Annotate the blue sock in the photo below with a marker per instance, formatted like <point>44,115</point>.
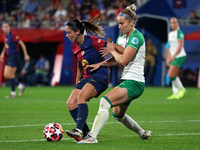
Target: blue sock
<point>82,116</point>
<point>74,114</point>
<point>16,82</point>
<point>12,84</point>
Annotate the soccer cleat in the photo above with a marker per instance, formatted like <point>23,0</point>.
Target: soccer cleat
<point>10,96</point>
<point>74,134</point>
<point>88,140</point>
<point>21,90</point>
<point>145,135</point>
<point>173,96</point>
<point>84,135</point>
<point>181,93</point>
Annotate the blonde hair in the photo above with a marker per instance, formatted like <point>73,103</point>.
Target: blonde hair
<point>130,13</point>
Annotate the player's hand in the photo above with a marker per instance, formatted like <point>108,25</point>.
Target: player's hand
<point>26,58</point>
<point>2,58</point>
<point>93,67</point>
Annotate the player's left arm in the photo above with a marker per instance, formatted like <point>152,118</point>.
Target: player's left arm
<point>23,46</point>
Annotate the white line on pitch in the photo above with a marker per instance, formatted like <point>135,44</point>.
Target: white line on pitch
<point>30,125</point>
<point>38,140</point>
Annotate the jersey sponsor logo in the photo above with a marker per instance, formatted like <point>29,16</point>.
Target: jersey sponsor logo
<point>85,63</point>
<point>135,40</point>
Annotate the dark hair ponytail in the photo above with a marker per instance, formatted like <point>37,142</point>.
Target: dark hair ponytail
<point>89,26</point>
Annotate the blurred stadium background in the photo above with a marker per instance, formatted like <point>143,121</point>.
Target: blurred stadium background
<point>41,25</point>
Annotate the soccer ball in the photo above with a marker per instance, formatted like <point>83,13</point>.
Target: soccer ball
<point>53,132</point>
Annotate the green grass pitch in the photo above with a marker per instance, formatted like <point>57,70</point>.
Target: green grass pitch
<point>175,124</point>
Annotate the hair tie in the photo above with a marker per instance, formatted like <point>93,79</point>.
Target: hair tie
<point>122,14</point>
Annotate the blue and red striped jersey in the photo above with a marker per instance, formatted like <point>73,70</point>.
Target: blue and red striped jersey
<point>88,53</point>
<point>11,43</point>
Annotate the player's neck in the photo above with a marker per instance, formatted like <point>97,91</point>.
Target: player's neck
<point>81,39</point>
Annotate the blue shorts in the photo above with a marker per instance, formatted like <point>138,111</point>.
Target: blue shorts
<point>13,60</point>
<point>100,83</point>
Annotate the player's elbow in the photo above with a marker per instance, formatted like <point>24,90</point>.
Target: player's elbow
<point>124,62</point>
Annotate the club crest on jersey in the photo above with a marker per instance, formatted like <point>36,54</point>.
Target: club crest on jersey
<point>82,53</point>
<point>99,40</point>
<point>135,40</point>
<point>6,45</point>
<point>85,63</point>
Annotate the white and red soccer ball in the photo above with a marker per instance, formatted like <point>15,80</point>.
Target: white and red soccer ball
<point>53,132</point>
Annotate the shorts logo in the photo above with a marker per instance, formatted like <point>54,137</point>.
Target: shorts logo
<point>93,80</point>
<point>135,40</point>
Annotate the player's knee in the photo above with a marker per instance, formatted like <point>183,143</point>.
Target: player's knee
<point>104,104</point>
<point>71,104</point>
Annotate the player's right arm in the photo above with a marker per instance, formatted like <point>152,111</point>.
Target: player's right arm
<point>3,53</point>
<point>116,47</point>
<point>79,72</point>
<point>105,63</point>
<point>168,58</point>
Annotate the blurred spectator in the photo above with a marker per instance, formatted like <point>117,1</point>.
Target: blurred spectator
<point>110,11</point>
<point>46,20</point>
<point>119,7</point>
<point>51,10</point>
<point>2,18</point>
<point>45,3</point>
<point>189,77</point>
<point>73,11</point>
<point>40,76</point>
<point>108,3</point>
<point>85,8</point>
<point>60,14</point>
<point>150,60</point>
<point>40,12</point>
<point>27,70</point>
<point>34,22</point>
<point>104,20</point>
<point>23,22</point>
<point>56,2</point>
<point>94,12</point>
<point>31,6</point>
<point>194,19</point>
<point>112,21</point>
<point>13,21</point>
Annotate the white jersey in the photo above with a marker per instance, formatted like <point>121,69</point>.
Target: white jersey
<point>173,38</point>
<point>134,70</point>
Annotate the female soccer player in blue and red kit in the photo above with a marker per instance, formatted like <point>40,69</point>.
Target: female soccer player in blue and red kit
<point>11,48</point>
<point>89,84</point>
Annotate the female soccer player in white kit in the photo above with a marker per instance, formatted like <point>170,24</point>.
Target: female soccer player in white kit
<point>133,81</point>
<point>175,58</point>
